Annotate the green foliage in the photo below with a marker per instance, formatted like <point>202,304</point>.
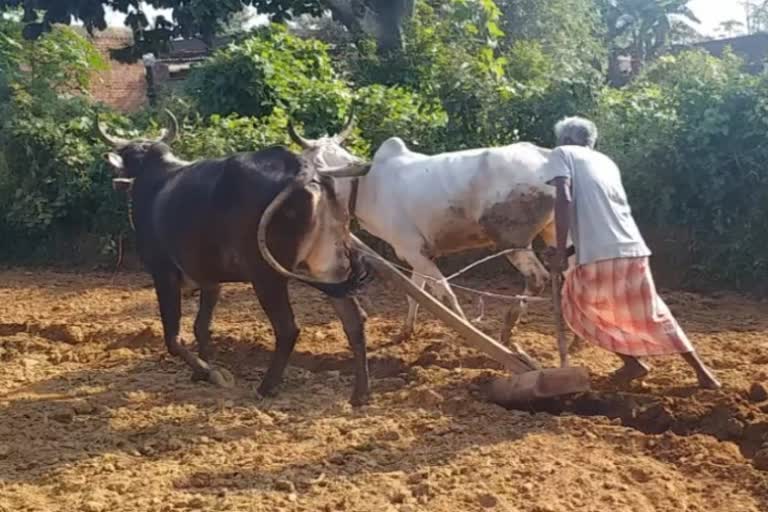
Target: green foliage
<point>570,30</point>
<point>384,112</point>
<point>493,89</point>
<point>688,135</point>
<point>54,172</point>
<point>206,18</point>
<point>51,176</point>
<point>60,62</point>
<point>268,70</point>
<point>642,28</point>
<point>220,136</point>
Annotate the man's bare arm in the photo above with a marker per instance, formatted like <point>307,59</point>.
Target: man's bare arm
<point>562,217</point>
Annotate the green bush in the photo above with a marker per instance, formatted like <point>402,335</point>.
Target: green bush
<point>220,136</point>
<point>272,69</point>
<point>384,112</point>
<point>51,174</point>
<point>688,135</point>
<point>491,94</point>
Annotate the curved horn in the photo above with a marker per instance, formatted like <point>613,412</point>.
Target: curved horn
<point>168,135</point>
<point>113,141</point>
<point>298,139</point>
<point>347,130</point>
<point>261,235</point>
<point>355,170</point>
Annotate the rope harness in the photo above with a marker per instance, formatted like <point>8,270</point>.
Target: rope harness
<point>353,197</point>
<point>497,296</point>
<point>130,211</point>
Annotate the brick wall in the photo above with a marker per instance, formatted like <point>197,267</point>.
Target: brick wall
<point>121,86</point>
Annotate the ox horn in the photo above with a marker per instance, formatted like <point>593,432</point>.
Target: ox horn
<point>261,235</point>
<point>346,131</point>
<point>116,142</point>
<point>298,139</point>
<point>355,170</point>
<point>168,135</point>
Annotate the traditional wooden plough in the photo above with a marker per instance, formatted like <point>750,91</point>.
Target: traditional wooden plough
<point>529,381</point>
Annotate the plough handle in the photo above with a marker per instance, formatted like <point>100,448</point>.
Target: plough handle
<point>562,343</point>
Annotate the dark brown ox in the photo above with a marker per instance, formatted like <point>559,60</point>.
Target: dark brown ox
<point>243,218</point>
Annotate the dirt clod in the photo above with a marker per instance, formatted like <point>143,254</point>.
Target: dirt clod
<point>487,500</point>
<point>93,506</point>
<point>285,486</point>
<point>83,407</point>
<point>757,392</point>
<point>426,397</point>
<point>65,415</point>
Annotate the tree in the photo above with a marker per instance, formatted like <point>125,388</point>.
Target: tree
<point>642,29</point>
<point>757,15</point>
<point>730,28</point>
<point>682,33</point>
<point>381,19</point>
<point>238,22</point>
<point>575,41</point>
<point>50,174</point>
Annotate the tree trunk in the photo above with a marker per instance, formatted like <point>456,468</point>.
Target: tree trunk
<point>381,19</point>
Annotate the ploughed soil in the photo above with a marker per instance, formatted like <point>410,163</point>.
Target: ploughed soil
<point>94,416</point>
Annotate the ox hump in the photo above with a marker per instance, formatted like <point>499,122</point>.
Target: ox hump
<point>391,148</point>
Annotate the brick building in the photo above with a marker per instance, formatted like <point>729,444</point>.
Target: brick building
<point>122,86</point>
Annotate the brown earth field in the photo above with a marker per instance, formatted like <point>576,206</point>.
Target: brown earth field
<point>94,416</point>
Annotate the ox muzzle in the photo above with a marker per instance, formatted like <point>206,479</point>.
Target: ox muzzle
<point>359,276</point>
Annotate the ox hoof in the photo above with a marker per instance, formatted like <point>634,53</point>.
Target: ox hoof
<point>207,355</point>
<point>360,399</point>
<point>267,390</point>
<point>403,336</point>
<point>221,377</point>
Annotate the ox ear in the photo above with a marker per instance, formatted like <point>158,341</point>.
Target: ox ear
<point>114,160</point>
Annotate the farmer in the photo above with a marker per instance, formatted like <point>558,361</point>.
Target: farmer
<point>609,297</point>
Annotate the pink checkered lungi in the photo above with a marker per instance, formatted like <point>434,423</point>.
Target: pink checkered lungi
<point>614,304</point>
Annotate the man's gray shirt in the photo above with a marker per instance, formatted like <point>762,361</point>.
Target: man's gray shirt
<point>602,226</point>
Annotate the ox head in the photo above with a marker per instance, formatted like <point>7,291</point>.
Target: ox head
<point>325,249</point>
<point>329,155</point>
<point>129,158</point>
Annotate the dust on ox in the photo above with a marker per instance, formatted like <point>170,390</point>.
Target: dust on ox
<point>244,218</point>
<point>429,206</point>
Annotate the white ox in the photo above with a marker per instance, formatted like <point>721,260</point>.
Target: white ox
<point>430,206</point>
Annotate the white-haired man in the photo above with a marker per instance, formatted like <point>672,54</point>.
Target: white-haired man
<point>609,297</point>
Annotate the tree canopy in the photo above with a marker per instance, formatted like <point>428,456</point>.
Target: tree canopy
<point>382,19</point>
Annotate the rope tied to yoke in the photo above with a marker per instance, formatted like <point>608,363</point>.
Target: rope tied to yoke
<point>481,293</point>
